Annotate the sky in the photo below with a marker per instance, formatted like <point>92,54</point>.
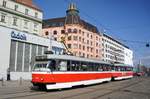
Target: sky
<point>125,20</point>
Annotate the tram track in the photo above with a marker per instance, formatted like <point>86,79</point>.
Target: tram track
<point>23,94</point>
<point>122,87</point>
<point>105,94</point>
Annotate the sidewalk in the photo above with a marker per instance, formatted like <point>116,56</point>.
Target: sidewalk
<point>17,83</point>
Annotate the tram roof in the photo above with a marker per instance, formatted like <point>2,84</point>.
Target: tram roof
<point>73,58</point>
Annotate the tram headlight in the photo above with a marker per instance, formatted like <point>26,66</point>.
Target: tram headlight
<point>42,79</point>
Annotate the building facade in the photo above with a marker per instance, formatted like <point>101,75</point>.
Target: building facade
<point>20,24</point>
<point>82,38</point>
<point>18,51</point>
<point>115,51</point>
<point>21,15</point>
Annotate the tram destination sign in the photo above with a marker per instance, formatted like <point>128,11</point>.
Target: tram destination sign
<point>18,35</point>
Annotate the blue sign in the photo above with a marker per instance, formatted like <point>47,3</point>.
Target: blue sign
<point>18,36</point>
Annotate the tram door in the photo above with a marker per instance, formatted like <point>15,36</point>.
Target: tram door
<point>52,67</point>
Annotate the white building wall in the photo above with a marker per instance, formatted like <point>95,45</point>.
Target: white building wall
<point>128,56</point>
<point>5,43</point>
<point>27,24</point>
<point>34,24</point>
<point>4,52</point>
<point>112,51</point>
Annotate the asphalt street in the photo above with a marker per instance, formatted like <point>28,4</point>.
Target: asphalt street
<point>135,88</point>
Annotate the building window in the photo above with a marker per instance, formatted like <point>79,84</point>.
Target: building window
<point>87,34</point>
<point>91,36</point>
<point>46,33</point>
<point>83,55</point>
<point>75,31</point>
<point>16,7</point>
<point>79,46</point>
<point>80,31</point>
<point>87,55</point>
<point>83,40</point>
<point>96,38</point>
<point>15,21</point>
<point>75,46</point>
<point>87,41</point>
<point>26,11</point>
<point>62,31</point>
<point>69,30</point>
<point>80,39</point>
<point>4,3</point>
<point>96,50</point>
<point>91,43</point>
<point>55,38</point>
<point>75,38</point>
<point>25,24</point>
<point>3,18</point>
<point>55,32</point>
<point>96,44</point>
<point>69,45</point>
<point>69,38</point>
<point>83,33</point>
<point>35,25</point>
<point>79,53</point>
<point>83,47</point>
<point>36,15</point>
<point>91,49</point>
<point>88,49</point>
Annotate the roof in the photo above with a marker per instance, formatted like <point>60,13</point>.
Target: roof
<point>115,40</point>
<point>73,58</point>
<point>54,22</point>
<point>58,22</point>
<point>31,5</point>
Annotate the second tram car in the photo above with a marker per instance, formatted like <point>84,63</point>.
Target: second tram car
<point>64,71</point>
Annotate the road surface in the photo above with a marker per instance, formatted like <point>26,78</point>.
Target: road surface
<point>135,88</point>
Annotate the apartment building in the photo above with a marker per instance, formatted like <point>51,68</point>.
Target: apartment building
<point>82,38</point>
<point>115,51</point>
<point>20,26</point>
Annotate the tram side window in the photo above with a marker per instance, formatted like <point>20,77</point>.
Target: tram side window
<point>75,66</point>
<point>105,68</point>
<point>52,65</point>
<point>100,68</point>
<point>84,67</point>
<point>68,65</point>
<point>123,69</point>
<point>109,68</point>
<point>112,68</point>
<point>90,67</point>
<point>62,66</point>
<point>116,68</point>
<point>129,69</point>
<point>95,67</point>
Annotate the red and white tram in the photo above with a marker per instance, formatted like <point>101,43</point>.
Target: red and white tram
<point>64,71</point>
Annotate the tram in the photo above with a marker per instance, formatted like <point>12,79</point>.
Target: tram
<point>65,71</point>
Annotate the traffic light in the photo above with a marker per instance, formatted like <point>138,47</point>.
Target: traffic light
<point>147,45</point>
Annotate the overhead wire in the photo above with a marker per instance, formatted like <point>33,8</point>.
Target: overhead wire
<point>104,28</point>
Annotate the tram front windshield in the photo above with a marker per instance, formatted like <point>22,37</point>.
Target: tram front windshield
<point>43,66</point>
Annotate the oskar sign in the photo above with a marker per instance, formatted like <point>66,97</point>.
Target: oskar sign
<point>18,35</point>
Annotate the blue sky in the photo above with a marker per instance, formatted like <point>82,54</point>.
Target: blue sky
<point>123,19</point>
